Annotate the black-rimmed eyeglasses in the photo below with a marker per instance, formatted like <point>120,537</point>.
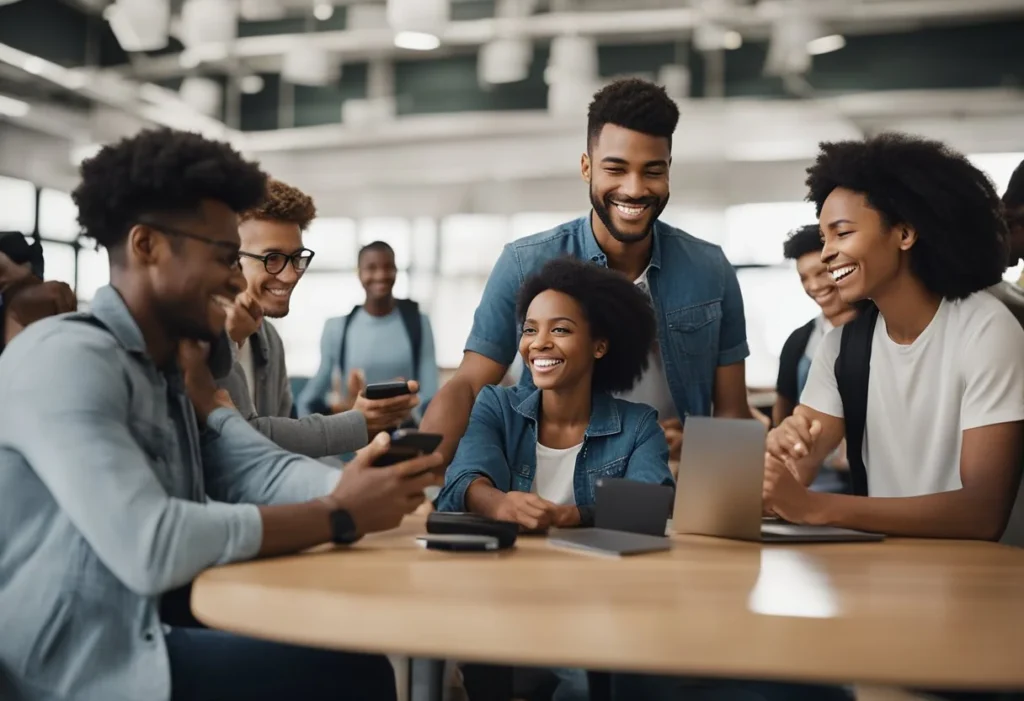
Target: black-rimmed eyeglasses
<point>276,262</point>
<point>230,250</point>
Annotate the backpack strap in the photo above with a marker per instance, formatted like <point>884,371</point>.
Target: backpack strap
<point>852,368</point>
<point>789,360</point>
<point>410,313</point>
<point>344,340</point>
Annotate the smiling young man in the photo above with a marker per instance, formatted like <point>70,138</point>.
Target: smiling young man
<point>697,364</point>
<point>123,475</point>
<point>273,262</point>
<point>916,229</point>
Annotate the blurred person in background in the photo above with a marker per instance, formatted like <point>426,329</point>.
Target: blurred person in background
<point>697,365</point>
<point>124,472</point>
<point>24,297</point>
<point>273,262</point>
<point>804,248</point>
<point>1010,294</point>
<point>382,340</point>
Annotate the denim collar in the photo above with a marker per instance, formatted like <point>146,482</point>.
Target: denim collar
<point>109,307</point>
<point>593,251</point>
<point>604,414</point>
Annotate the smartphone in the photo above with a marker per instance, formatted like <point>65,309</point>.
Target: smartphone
<point>458,543</point>
<point>407,444</point>
<point>386,390</point>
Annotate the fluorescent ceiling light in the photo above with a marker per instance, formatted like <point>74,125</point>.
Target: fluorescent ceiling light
<point>251,84</point>
<point>13,108</point>
<point>417,41</point>
<point>826,44</point>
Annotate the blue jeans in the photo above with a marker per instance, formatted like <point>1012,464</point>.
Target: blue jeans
<point>626,687</point>
<point>211,665</point>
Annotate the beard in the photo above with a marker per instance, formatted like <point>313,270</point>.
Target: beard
<point>603,209</point>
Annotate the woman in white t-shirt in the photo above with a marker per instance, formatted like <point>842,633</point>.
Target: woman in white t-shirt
<point>916,229</point>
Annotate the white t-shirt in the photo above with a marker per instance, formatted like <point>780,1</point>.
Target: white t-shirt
<point>652,389</point>
<point>555,471</point>
<point>965,370</point>
<point>245,360</point>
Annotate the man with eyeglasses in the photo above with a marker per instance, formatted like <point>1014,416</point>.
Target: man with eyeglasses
<point>273,260</point>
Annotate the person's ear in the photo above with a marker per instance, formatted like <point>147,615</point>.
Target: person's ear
<point>585,167</point>
<point>908,237</point>
<point>600,349</point>
<point>143,244</point>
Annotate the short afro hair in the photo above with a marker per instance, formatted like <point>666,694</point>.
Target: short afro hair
<point>961,245</point>
<point>378,246</point>
<point>1014,195</point>
<point>806,239</point>
<point>160,171</point>
<point>283,203</point>
<point>633,104</point>
<point>616,309</point>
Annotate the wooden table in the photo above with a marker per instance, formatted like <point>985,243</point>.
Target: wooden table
<point>938,614</point>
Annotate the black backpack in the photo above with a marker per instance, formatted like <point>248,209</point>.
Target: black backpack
<point>410,313</point>
<point>852,368</point>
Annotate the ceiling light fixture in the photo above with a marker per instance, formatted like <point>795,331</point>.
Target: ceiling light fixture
<point>826,44</point>
<point>323,11</point>
<point>732,40</point>
<point>251,84</point>
<point>13,108</point>
<point>417,41</point>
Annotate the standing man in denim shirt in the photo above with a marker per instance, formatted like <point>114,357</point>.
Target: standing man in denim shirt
<point>123,475</point>
<point>697,365</point>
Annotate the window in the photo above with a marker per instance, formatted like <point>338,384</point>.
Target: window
<point>57,216</point>
<point>317,298</point>
<point>703,222</point>
<point>334,242</point>
<point>452,320</point>
<point>471,243</point>
<point>998,166</point>
<point>93,272</point>
<point>18,212</point>
<point>424,244</point>
<point>394,231</point>
<point>775,305</point>
<point>59,262</point>
<point>755,233</point>
<point>529,223</point>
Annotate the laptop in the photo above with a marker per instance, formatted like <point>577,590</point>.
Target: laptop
<point>718,490</point>
<point>630,519</point>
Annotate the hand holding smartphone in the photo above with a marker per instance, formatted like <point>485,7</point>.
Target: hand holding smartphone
<point>407,444</point>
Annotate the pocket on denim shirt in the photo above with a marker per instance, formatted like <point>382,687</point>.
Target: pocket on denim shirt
<point>693,337</point>
<point>615,468</point>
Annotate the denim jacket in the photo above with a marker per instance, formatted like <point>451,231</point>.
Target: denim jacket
<point>622,440</point>
<point>107,500</point>
<point>696,297</point>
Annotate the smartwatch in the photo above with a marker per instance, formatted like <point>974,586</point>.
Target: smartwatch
<point>343,528</point>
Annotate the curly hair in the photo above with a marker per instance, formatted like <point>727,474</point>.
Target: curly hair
<point>160,171</point>
<point>634,104</point>
<point>961,245</point>
<point>806,239</point>
<point>616,310</point>
<point>283,203</point>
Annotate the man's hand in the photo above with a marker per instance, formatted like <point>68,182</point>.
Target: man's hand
<point>529,511</point>
<point>31,300</point>
<point>794,438</point>
<point>673,429</point>
<point>379,497</point>
<point>383,414</point>
<point>200,386</point>
<point>784,495</point>
<point>244,317</point>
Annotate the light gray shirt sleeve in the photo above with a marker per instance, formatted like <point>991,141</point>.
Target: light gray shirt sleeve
<point>67,414</point>
<point>241,465</point>
<point>315,436</point>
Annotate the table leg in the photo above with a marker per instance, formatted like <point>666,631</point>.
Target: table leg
<point>426,680</point>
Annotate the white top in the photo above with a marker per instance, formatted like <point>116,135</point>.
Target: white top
<point>555,471</point>
<point>652,389</point>
<point>964,371</point>
<point>245,360</point>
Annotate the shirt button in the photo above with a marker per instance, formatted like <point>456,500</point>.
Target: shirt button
<point>148,636</point>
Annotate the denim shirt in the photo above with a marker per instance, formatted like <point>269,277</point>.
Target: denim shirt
<point>697,303</point>
<point>622,440</point>
<point>104,477</point>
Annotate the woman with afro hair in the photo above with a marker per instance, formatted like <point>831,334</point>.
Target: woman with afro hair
<point>534,456</point>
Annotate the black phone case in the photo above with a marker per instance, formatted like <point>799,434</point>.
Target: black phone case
<point>440,522</point>
<point>406,445</point>
<point>386,390</point>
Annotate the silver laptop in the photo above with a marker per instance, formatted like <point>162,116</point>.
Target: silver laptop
<point>718,490</point>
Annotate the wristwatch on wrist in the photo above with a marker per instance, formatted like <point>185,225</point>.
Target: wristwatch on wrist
<point>343,527</point>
